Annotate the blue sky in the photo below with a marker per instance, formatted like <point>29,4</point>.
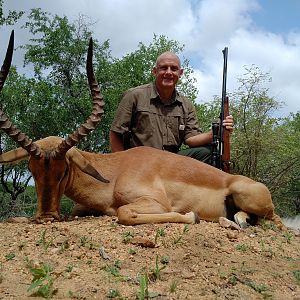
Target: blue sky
<point>279,16</point>
<point>265,33</point>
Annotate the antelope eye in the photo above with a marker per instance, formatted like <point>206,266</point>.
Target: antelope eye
<point>66,172</point>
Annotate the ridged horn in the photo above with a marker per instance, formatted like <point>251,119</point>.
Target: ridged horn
<point>7,61</point>
<point>20,138</point>
<point>95,117</point>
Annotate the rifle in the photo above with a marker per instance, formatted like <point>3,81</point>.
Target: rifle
<point>221,144</point>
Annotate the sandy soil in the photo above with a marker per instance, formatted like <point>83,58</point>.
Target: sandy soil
<point>97,258</point>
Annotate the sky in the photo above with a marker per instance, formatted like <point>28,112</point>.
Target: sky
<point>264,33</point>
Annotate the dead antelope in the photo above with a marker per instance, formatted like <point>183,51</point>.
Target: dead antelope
<point>140,185</point>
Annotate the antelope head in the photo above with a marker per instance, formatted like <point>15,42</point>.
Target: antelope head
<point>49,158</point>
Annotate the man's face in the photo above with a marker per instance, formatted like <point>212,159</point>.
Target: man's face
<point>167,71</point>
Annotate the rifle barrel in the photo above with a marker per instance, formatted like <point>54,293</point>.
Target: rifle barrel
<point>222,114</point>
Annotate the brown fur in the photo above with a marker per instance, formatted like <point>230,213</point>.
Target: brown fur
<point>146,185</point>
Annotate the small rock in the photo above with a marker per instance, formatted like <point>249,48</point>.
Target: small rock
<point>55,250</point>
<point>228,224</point>
<point>296,232</point>
<point>143,242</point>
<point>232,235</point>
<point>18,220</point>
<point>103,253</point>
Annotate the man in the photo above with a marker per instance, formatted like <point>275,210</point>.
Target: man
<point>156,115</point>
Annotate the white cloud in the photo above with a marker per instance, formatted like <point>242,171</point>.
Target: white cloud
<point>217,20</point>
<point>230,25</point>
<point>274,54</point>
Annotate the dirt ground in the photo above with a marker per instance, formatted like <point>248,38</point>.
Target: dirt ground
<point>97,258</point>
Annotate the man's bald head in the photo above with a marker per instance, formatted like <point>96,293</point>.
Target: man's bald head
<point>167,55</point>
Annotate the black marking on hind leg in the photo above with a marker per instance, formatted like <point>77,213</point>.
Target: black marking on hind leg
<point>230,208</point>
<point>85,212</point>
<point>46,193</point>
<point>252,220</point>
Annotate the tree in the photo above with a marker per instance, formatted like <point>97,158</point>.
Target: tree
<point>253,110</point>
<point>58,54</point>
<point>12,181</point>
<point>12,17</point>
<point>208,112</point>
<point>284,175</point>
<point>263,147</point>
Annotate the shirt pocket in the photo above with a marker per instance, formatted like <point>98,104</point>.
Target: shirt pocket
<point>143,121</point>
<point>176,125</point>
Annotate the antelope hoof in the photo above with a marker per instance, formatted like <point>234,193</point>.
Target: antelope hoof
<point>193,218</point>
<point>224,222</point>
<point>47,218</point>
<point>241,219</point>
<point>44,220</point>
<point>244,225</point>
<point>197,218</point>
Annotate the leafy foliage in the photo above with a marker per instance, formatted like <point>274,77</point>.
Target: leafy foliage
<point>42,282</point>
<point>12,16</point>
<point>266,148</point>
<point>58,54</point>
<point>254,122</point>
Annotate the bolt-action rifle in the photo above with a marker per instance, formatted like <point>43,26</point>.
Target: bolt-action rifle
<point>221,143</point>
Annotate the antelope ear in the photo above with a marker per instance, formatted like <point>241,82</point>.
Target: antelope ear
<point>14,156</point>
<point>84,165</point>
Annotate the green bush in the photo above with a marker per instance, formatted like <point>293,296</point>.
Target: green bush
<point>26,203</point>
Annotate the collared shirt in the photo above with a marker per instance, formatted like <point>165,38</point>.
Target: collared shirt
<point>153,123</point>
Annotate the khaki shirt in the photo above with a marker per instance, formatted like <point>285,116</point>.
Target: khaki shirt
<point>152,123</point>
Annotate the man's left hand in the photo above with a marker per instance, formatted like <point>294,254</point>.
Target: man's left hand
<point>228,123</point>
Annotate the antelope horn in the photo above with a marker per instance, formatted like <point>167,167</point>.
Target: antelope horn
<point>7,61</point>
<point>95,117</point>
<point>5,123</point>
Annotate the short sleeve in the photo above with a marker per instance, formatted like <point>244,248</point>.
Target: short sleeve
<point>191,122</point>
<point>123,116</point>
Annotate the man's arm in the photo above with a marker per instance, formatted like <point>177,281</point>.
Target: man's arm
<point>199,139</point>
<point>122,122</point>
<point>116,141</point>
<point>206,137</point>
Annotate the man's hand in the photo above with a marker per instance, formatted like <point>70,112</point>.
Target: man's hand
<point>228,123</point>
<point>116,141</point>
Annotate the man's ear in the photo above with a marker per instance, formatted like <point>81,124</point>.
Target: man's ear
<point>154,71</point>
<point>181,72</point>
